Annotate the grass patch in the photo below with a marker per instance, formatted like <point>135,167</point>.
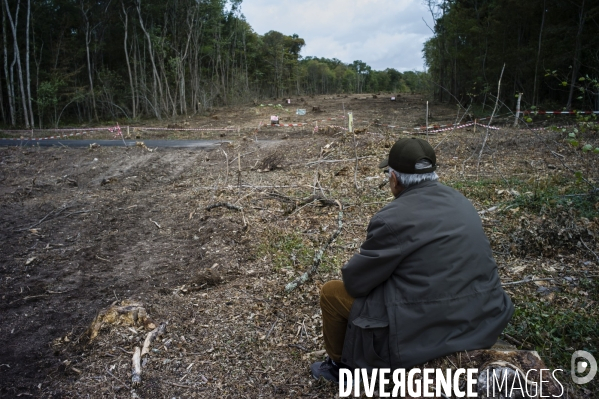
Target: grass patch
<point>291,251</point>
<point>533,195</point>
<point>287,250</point>
<point>555,332</point>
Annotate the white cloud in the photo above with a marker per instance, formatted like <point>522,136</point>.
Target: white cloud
<point>382,33</point>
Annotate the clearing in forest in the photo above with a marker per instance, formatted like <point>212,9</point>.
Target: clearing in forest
<point>82,229</point>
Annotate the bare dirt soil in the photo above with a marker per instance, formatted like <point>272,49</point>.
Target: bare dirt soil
<point>83,229</point>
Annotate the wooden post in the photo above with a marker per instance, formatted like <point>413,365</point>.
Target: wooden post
<point>517,110</point>
<point>239,171</point>
<point>350,122</point>
<point>427,119</point>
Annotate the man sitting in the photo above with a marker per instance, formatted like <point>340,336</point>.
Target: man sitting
<point>424,283</point>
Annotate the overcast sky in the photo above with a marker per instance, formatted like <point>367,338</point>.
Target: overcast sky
<point>382,33</point>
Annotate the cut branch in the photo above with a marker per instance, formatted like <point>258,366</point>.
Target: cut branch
<point>527,281</point>
<point>225,205</point>
<point>56,212</point>
<point>136,373</point>
<point>482,148</point>
<point>318,256</point>
<point>152,335</point>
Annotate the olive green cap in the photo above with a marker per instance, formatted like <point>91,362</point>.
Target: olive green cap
<point>406,152</point>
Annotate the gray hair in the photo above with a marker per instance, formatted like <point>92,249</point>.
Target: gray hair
<point>411,179</point>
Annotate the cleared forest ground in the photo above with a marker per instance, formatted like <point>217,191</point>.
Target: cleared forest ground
<point>84,228</point>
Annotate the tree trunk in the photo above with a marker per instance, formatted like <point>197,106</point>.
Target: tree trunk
<point>126,25</point>
<point>9,81</point>
<point>27,64</point>
<point>535,97</point>
<point>576,61</point>
<point>156,82</point>
<point>89,66</point>
<point>17,56</point>
<point>2,102</point>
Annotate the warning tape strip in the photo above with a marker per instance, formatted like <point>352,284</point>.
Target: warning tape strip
<point>55,130</point>
<point>81,132</point>
<point>434,127</point>
<point>541,112</point>
<point>329,119</point>
<point>457,124</point>
<point>268,124</point>
<point>287,124</point>
<point>550,127</point>
<point>47,138</point>
<point>463,126</point>
<point>188,129</point>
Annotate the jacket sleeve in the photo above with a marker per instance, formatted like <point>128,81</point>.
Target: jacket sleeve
<point>378,258</point>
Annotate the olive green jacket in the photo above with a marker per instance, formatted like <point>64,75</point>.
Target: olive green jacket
<point>425,283</point>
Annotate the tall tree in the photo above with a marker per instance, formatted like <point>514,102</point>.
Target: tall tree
<point>17,57</point>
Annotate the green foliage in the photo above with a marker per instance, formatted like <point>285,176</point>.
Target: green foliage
<point>47,94</point>
<point>572,136</point>
<point>473,40</point>
<point>555,331</point>
<point>288,251</point>
<point>162,59</point>
<point>329,76</point>
<point>538,196</point>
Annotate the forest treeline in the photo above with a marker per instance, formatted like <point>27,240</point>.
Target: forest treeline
<point>73,61</point>
<point>550,49</point>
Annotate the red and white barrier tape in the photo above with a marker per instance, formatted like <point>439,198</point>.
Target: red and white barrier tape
<point>329,119</point>
<point>225,129</point>
<point>385,125</point>
<point>287,124</point>
<point>268,124</point>
<point>550,127</point>
<point>22,138</point>
<point>540,112</point>
<point>462,126</point>
<point>436,126</point>
<point>116,129</point>
<point>55,130</point>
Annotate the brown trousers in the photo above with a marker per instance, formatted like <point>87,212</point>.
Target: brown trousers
<point>336,304</point>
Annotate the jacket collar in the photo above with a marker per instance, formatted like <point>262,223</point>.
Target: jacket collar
<point>417,186</point>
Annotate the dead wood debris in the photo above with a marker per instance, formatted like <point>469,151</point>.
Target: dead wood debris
<point>136,373</point>
<point>54,213</point>
<point>108,180</point>
<point>142,145</point>
<point>270,162</point>
<point>152,335</point>
<point>128,313</point>
<point>297,203</point>
<point>224,205</point>
<point>318,256</point>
